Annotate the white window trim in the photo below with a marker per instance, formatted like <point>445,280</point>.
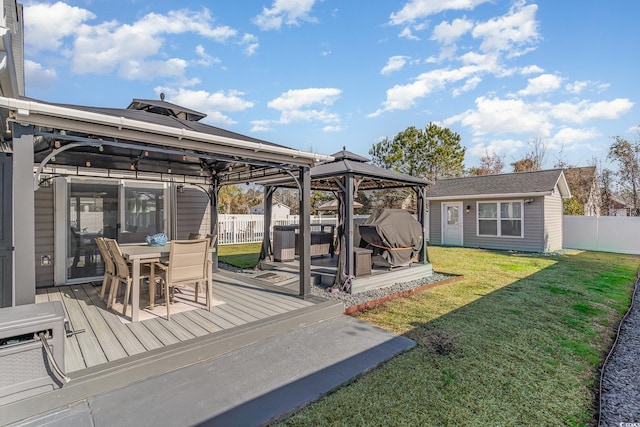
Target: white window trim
<point>498,219</point>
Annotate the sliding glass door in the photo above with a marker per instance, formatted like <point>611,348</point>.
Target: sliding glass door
<point>92,211</point>
<point>127,211</point>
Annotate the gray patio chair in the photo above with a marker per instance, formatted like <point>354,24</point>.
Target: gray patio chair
<point>109,266</point>
<point>194,236</point>
<point>188,263</point>
<point>122,275</point>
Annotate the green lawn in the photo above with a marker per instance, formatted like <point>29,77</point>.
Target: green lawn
<point>244,256</point>
<point>518,341</point>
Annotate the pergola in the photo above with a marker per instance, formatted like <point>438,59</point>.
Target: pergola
<point>150,140</point>
<point>345,175</point>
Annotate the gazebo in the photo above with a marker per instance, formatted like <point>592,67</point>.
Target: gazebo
<point>347,174</point>
<point>151,141</point>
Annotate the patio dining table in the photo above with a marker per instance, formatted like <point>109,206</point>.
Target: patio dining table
<point>138,254</point>
<point>142,253</point>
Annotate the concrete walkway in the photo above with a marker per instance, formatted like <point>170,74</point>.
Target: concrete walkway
<point>251,386</point>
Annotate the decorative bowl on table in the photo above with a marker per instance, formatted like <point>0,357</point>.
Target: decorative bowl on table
<point>159,239</point>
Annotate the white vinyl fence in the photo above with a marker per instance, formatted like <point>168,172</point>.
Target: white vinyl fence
<point>620,234</point>
<point>250,228</point>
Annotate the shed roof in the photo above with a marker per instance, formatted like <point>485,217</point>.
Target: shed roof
<point>519,184</point>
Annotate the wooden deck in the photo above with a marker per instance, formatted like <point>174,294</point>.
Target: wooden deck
<point>107,338</point>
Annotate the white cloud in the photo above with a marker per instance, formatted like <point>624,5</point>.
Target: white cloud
<point>298,98</point>
<point>504,116</point>
<point>497,146</point>
<point>402,97</point>
<point>46,25</point>
<point>408,34</point>
<point>261,126</point>
<point>496,116</point>
<point>542,84</point>
<point>332,129</point>
<point>211,103</point>
<point>576,87</point>
<point>289,12</point>
<point>133,50</point>
<point>569,136</point>
<point>147,70</point>
<point>417,9</point>
<point>205,59</point>
<point>585,110</point>
<point>470,84</point>
<point>394,63</point>
<point>250,42</point>
<point>296,105</point>
<point>579,86</point>
<point>37,76</point>
<point>448,33</point>
<point>514,30</point>
<point>531,69</point>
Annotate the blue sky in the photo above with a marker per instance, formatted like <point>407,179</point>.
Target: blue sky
<point>319,75</point>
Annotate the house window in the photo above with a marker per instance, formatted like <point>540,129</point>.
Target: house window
<point>500,219</point>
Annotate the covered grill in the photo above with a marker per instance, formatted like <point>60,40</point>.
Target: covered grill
<point>394,236</point>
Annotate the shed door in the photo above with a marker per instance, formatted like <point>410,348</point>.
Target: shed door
<point>6,240</point>
<point>452,224</point>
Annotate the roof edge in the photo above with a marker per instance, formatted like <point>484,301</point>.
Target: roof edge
<point>24,108</point>
<point>491,196</point>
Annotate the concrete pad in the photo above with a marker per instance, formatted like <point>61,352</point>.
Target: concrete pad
<point>249,386</point>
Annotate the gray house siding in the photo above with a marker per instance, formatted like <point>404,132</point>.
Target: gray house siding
<point>534,227</point>
<point>435,222</point>
<point>533,230</point>
<point>193,213</point>
<point>44,234</point>
<point>553,222</point>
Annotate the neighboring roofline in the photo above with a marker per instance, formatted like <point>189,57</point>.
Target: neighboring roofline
<point>25,110</point>
<point>492,196</point>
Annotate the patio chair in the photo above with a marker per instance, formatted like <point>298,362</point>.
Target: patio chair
<point>109,266</point>
<point>188,263</point>
<point>122,275</point>
<point>194,236</point>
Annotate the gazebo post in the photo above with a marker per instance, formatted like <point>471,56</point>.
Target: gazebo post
<point>421,193</point>
<point>267,204</point>
<point>348,225</point>
<point>213,200</point>
<point>304,240</point>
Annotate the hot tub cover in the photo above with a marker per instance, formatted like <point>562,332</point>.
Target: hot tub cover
<point>394,234</point>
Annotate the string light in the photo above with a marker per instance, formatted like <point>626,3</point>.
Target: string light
<point>56,144</point>
<point>88,164</point>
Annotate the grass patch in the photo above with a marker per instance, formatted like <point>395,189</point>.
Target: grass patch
<point>243,255</point>
<point>518,341</point>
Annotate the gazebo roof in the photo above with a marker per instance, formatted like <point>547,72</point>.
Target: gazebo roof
<point>150,138</point>
<point>370,177</point>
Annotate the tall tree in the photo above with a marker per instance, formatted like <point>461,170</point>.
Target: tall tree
<point>490,164</point>
<point>432,153</point>
<point>606,192</point>
<point>231,200</point>
<point>534,159</point>
<point>627,155</point>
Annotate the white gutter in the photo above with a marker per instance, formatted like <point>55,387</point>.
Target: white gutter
<point>24,108</point>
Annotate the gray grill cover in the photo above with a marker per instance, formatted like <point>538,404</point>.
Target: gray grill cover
<point>394,234</point>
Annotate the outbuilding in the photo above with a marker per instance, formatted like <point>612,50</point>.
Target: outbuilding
<point>514,211</point>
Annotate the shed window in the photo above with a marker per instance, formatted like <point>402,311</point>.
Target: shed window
<point>500,219</point>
